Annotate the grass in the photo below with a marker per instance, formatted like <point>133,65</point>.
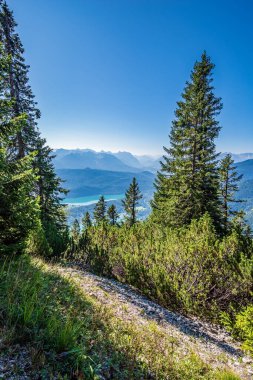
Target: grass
<point>72,336</point>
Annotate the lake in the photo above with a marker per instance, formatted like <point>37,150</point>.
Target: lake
<point>91,199</point>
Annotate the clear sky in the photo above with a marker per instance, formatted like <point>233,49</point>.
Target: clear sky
<point>107,73</point>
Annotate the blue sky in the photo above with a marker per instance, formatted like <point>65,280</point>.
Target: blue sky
<point>107,73</point>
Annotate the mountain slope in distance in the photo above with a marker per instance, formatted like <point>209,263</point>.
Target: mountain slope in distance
<point>82,159</point>
<point>82,182</point>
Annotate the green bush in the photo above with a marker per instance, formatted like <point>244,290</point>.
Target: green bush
<point>244,327</point>
<point>190,269</point>
<point>37,243</point>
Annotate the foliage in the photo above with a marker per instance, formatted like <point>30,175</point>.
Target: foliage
<point>187,185</point>
<point>37,243</point>
<point>131,201</point>
<point>19,212</point>
<point>244,327</point>
<point>240,325</point>
<point>100,211</point>
<point>30,188</point>
<point>49,188</point>
<point>229,180</point>
<point>190,269</point>
<point>57,237</point>
<point>86,221</point>
<point>75,230</point>
<point>17,87</point>
<point>112,214</point>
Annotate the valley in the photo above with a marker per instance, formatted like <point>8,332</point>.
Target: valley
<point>87,184</point>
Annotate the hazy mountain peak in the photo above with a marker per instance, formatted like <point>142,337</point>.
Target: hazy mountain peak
<point>119,161</point>
<point>87,158</point>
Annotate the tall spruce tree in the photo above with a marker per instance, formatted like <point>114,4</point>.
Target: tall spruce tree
<point>131,201</point>
<point>86,221</point>
<point>17,84</point>
<point>100,211</point>
<point>75,231</point>
<point>19,211</point>
<point>112,214</point>
<point>50,193</point>
<point>187,185</point>
<point>27,139</point>
<point>49,186</point>
<point>229,180</point>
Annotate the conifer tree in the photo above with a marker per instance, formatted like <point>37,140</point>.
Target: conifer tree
<point>229,180</point>
<point>100,211</point>
<point>131,201</point>
<point>19,212</point>
<point>17,84</point>
<point>27,139</point>
<point>49,188</point>
<point>187,185</point>
<point>75,231</point>
<point>112,214</point>
<point>86,221</point>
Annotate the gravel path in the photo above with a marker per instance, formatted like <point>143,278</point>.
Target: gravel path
<point>210,342</point>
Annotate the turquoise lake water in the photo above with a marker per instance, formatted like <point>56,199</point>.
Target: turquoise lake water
<point>88,200</point>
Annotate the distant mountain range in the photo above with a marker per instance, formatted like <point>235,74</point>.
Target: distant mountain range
<point>86,158</point>
<point>120,161</point>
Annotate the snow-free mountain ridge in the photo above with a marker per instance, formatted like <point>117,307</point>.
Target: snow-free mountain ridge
<point>119,161</point>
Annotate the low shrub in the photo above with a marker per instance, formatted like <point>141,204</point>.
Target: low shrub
<point>190,269</point>
<point>244,327</point>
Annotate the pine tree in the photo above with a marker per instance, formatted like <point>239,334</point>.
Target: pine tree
<point>17,84</point>
<point>100,211</point>
<point>86,221</point>
<point>49,188</point>
<point>229,180</point>
<point>112,214</point>
<point>131,201</point>
<point>187,185</point>
<point>75,231</point>
<point>19,211</point>
<point>27,139</point>
<point>50,192</point>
